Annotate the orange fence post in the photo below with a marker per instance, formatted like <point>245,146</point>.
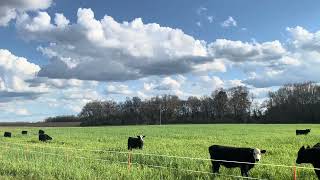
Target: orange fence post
<point>129,160</point>
<point>25,153</point>
<point>294,173</point>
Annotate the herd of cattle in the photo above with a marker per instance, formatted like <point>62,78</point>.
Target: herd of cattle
<point>230,157</point>
<point>42,136</point>
<point>245,158</point>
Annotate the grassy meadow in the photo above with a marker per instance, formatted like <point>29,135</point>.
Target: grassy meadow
<point>67,156</point>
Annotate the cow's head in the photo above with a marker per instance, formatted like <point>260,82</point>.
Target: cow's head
<point>302,158</point>
<point>257,153</point>
<point>309,130</point>
<point>141,137</point>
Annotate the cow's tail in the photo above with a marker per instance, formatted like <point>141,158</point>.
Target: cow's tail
<point>129,144</point>
<point>211,152</point>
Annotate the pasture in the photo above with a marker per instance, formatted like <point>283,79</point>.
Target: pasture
<point>72,155</point>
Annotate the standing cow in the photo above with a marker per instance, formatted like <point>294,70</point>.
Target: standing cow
<point>310,155</point>
<point>7,134</point>
<point>303,132</point>
<point>134,143</point>
<point>226,156</point>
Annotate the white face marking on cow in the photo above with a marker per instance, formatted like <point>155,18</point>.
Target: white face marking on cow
<point>141,137</point>
<point>257,154</point>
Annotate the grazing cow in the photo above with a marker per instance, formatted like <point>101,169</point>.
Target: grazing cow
<point>134,143</point>
<point>310,155</point>
<point>24,132</point>
<point>41,131</point>
<point>44,137</point>
<point>301,132</point>
<point>7,134</point>
<point>246,155</point>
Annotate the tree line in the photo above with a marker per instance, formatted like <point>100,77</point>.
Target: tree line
<point>292,103</point>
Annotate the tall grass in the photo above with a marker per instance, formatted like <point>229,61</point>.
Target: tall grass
<point>26,161</point>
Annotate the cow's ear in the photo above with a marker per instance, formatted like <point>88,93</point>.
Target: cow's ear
<point>144,136</point>
<point>263,151</point>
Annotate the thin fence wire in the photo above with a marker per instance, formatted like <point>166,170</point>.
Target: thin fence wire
<point>139,164</point>
<point>167,156</point>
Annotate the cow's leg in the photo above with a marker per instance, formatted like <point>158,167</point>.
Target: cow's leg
<point>244,170</point>
<point>215,167</point>
<point>318,173</point>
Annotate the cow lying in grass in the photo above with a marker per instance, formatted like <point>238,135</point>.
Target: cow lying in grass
<point>303,132</point>
<point>44,137</point>
<point>233,154</point>
<point>310,155</point>
<point>24,132</point>
<point>134,143</point>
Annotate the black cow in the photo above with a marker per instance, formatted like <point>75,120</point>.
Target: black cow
<point>24,132</point>
<point>44,137</point>
<point>225,153</point>
<point>301,132</point>
<point>7,134</point>
<point>134,143</point>
<point>310,155</point>
<point>41,131</point>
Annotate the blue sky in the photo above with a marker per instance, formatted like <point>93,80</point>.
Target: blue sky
<point>56,55</point>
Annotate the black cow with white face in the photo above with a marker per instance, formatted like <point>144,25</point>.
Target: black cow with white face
<point>135,143</point>
<point>310,155</point>
<point>246,155</point>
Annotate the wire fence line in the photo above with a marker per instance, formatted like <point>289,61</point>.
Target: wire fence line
<point>62,155</point>
<point>202,172</point>
<point>135,163</point>
<point>161,155</point>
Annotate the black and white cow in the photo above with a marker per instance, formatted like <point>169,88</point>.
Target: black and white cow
<point>24,132</point>
<point>135,143</point>
<point>310,155</point>
<point>225,153</point>
<point>7,134</point>
<point>44,137</point>
<point>301,132</point>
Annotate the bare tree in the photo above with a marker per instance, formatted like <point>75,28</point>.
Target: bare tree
<point>220,103</point>
<point>240,103</point>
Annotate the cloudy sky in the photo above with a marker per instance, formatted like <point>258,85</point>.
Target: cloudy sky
<point>57,55</point>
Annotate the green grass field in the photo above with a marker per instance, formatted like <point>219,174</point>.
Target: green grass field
<point>35,160</point>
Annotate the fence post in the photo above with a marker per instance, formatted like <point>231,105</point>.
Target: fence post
<point>294,172</point>
<point>25,152</point>
<point>129,159</point>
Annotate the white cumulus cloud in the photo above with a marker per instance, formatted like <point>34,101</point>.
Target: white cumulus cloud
<point>9,9</point>
<point>106,50</point>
